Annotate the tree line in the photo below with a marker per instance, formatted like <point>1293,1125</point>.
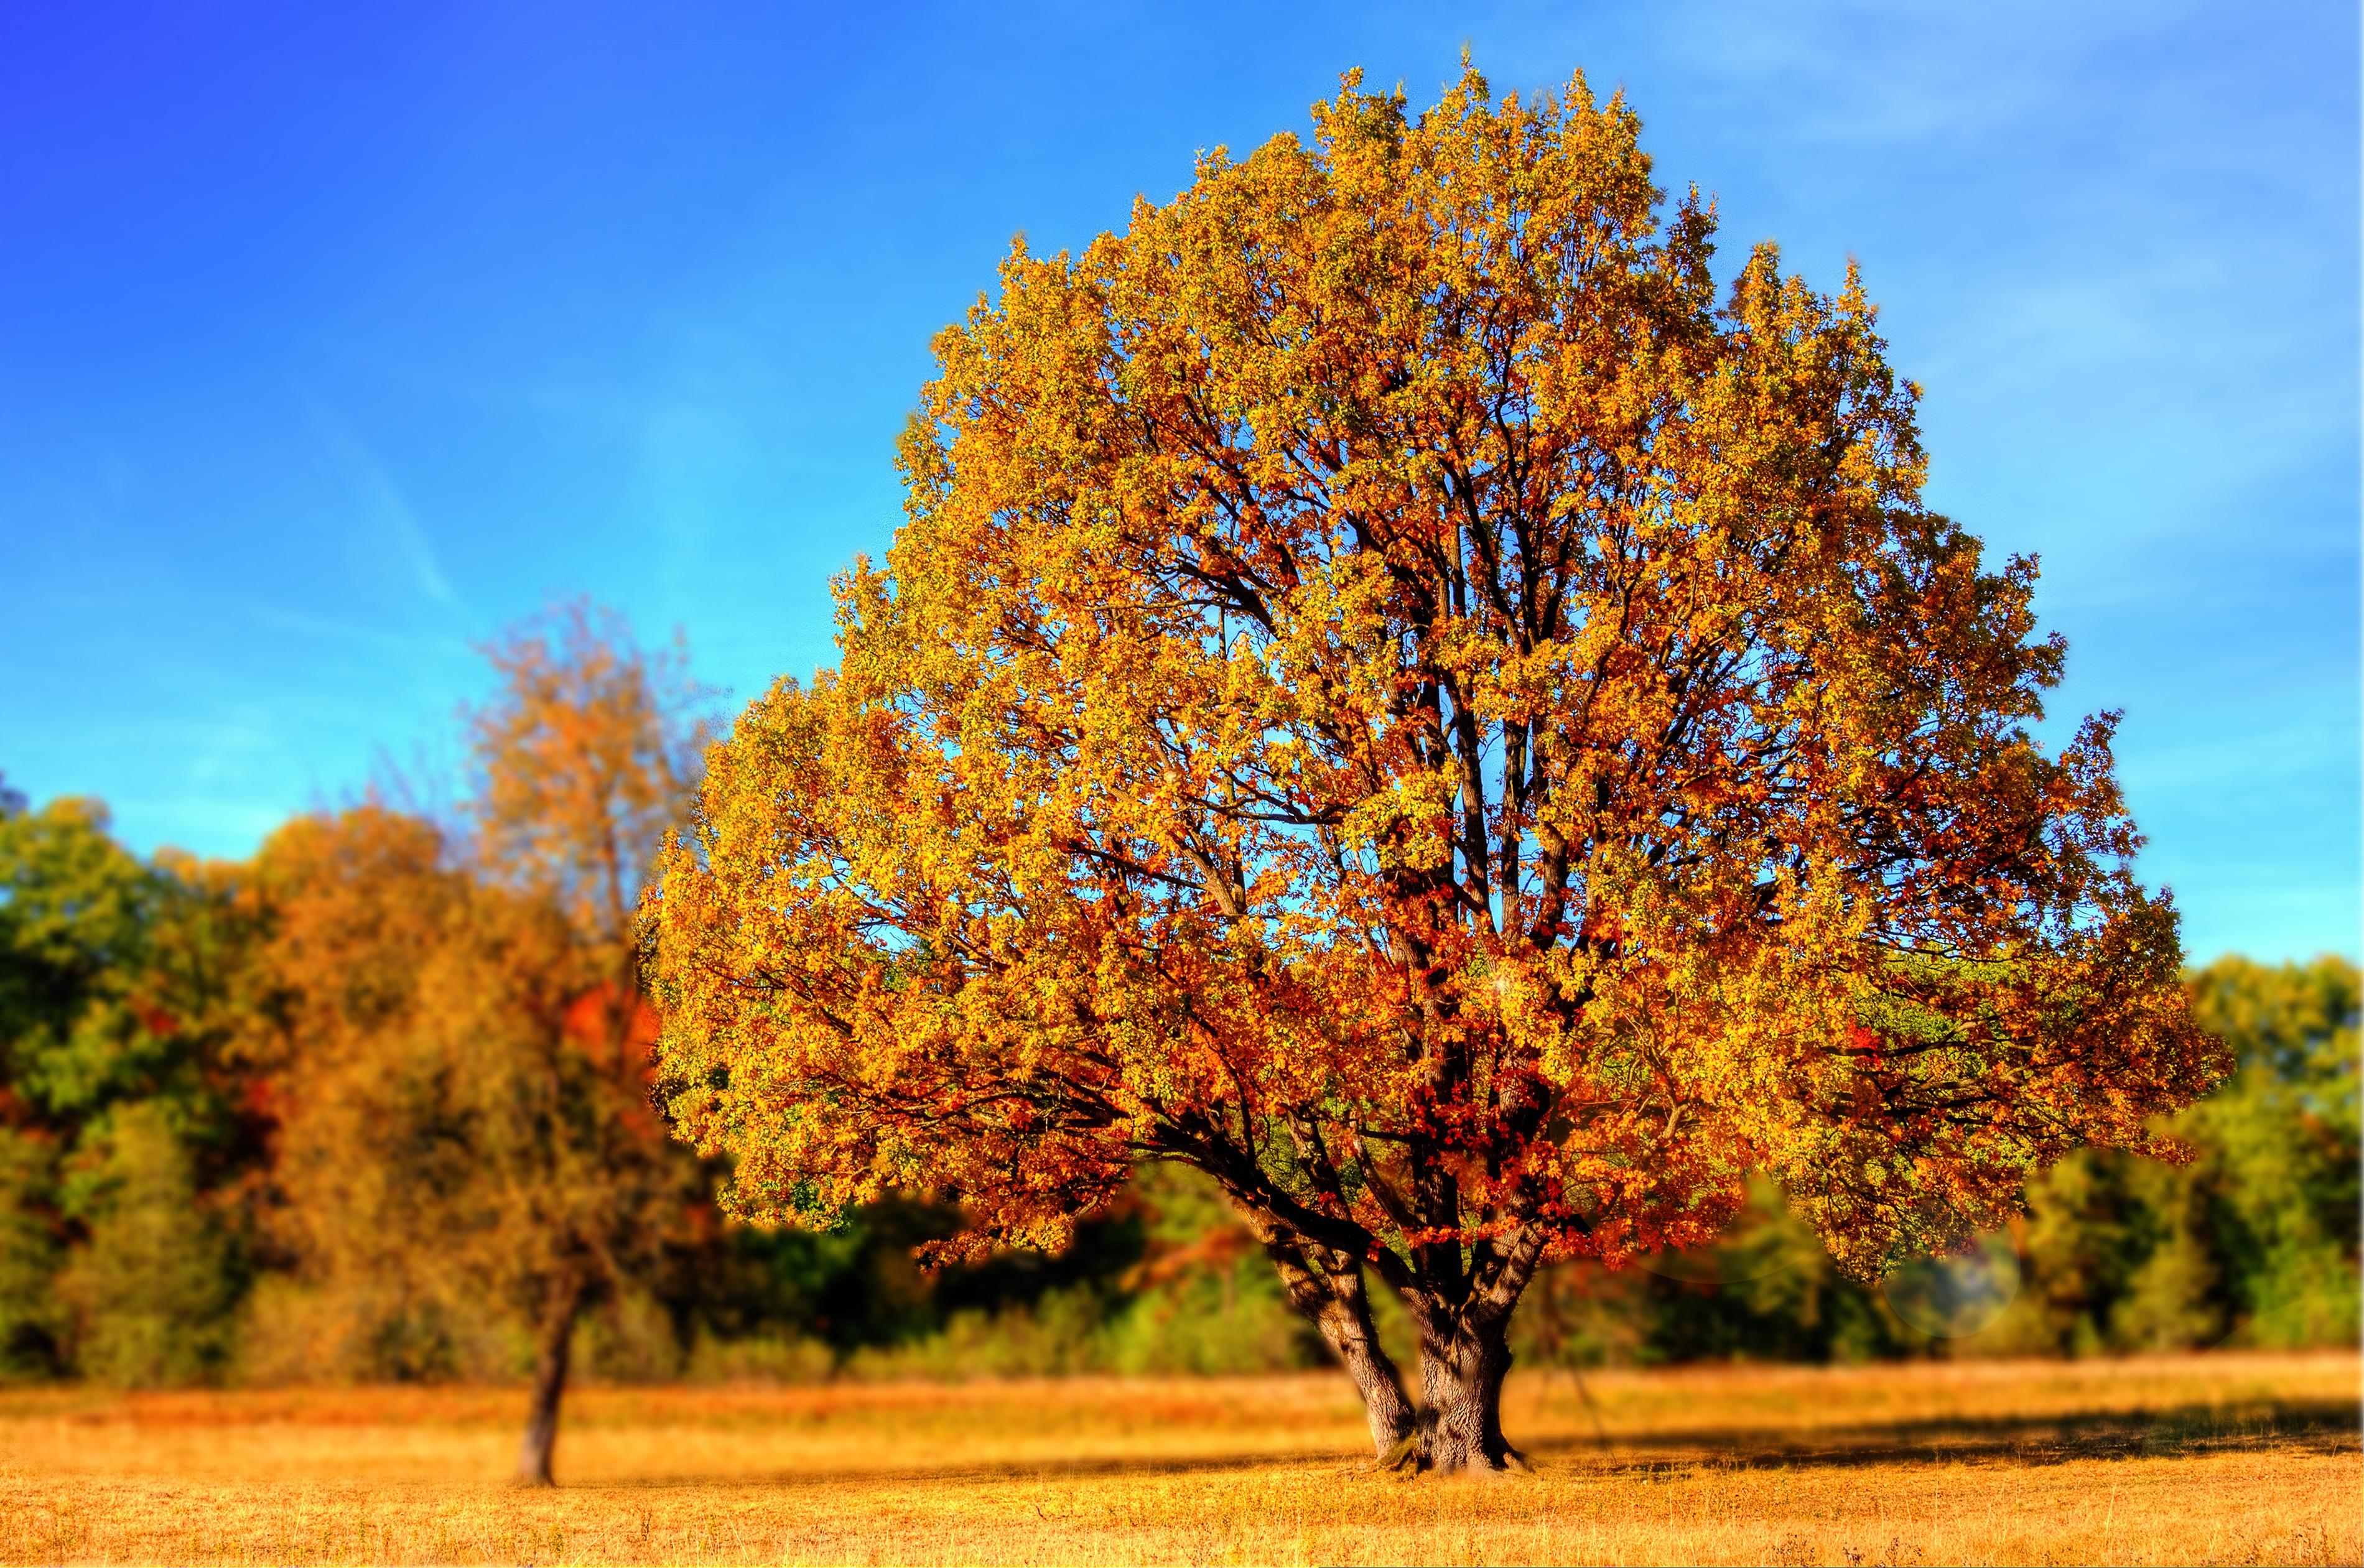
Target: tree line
<point>374,1104</point>
<point>164,1223</point>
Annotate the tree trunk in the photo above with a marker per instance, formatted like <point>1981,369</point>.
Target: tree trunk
<point>557,1332</point>
<point>1338,1305</point>
<point>1462,1365</point>
<point>1348,1328</point>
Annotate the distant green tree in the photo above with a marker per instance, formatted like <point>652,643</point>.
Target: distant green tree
<point>2285,1142</point>
<point>130,1144</point>
<point>77,912</point>
<point>32,1249</point>
<point>1201,1298</point>
<point>158,1279</point>
<point>2254,1241</point>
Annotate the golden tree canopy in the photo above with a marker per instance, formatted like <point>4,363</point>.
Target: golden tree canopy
<point>1392,691</point>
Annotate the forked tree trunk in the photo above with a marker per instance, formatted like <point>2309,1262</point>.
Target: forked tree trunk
<point>1462,1365</point>
<point>1465,1348</point>
<point>557,1336</point>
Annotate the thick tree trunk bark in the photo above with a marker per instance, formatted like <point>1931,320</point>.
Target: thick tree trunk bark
<point>1338,1305</point>
<point>557,1333</point>
<point>1462,1365</point>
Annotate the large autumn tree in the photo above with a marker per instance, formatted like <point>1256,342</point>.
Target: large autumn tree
<point>1397,692</point>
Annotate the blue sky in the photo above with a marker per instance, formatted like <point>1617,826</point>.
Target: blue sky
<point>332,339</point>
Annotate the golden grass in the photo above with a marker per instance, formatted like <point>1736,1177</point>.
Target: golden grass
<point>2225,1459</point>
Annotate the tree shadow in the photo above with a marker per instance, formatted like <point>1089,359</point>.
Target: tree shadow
<point>1064,1466</point>
<point>2326,1426</point>
<point>2317,1427</point>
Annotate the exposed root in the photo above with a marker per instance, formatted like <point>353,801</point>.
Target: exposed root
<point>1408,1457</point>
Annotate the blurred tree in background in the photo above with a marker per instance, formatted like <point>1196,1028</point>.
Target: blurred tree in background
<point>458,1023</point>
<point>366,911</point>
<point>588,753</point>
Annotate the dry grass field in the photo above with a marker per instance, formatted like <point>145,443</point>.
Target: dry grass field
<point>2225,1459</point>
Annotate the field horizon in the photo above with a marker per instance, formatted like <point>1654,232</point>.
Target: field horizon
<point>2229,1457</point>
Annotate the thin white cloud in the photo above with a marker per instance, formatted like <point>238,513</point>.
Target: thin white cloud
<point>385,515</point>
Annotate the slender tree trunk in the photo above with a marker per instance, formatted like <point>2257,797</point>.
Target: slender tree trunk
<point>557,1335</point>
<point>1337,1304</point>
<point>1462,1364</point>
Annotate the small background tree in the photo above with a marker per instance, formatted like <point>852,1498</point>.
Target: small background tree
<point>583,759</point>
<point>464,1030</point>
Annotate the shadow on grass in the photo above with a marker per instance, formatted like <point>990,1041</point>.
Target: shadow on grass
<point>2184,1431</point>
<point>1045,1469</point>
<point>2294,1427</point>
